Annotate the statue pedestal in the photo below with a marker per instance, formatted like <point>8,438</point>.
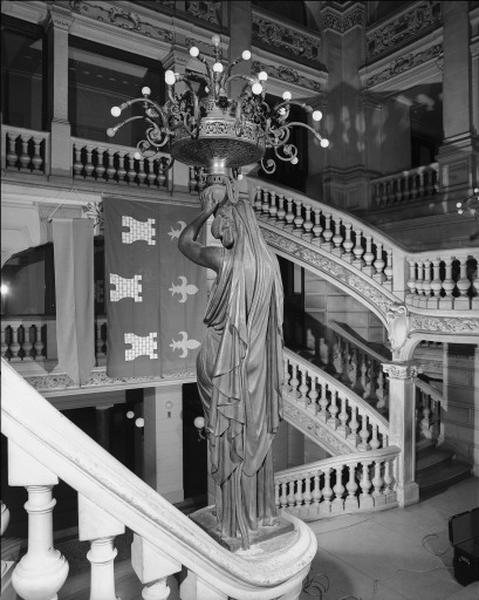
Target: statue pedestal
<point>206,519</point>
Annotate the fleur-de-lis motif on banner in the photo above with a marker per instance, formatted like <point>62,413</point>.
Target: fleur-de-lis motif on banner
<point>184,344</point>
<point>183,289</point>
<point>175,233</point>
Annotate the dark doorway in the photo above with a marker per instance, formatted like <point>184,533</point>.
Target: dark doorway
<point>194,447</point>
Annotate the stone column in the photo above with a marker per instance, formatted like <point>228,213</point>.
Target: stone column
<point>240,24</point>
<point>402,424</point>
<point>60,20</point>
<point>458,154</point>
<point>163,451</point>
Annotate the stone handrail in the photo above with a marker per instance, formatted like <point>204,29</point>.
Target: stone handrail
<point>38,430</point>
<point>341,484</point>
<point>397,188</point>
<point>25,150</point>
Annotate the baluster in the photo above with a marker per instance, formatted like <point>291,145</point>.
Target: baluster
<point>100,528</point>
<point>425,423</point>
<point>6,565</point>
<point>298,497</point>
<point>265,203</point>
<point>294,381</point>
<point>337,238</point>
<point>343,418</point>
<point>327,234</point>
<point>280,215</point>
<point>351,501</point>
<point>25,159</point>
<point>273,210</point>
<point>381,395</point>
<point>379,264</point>
<point>291,494</point>
<point>352,368</point>
<point>8,337</point>
<point>325,507</point>
<point>399,194</point>
<point>435,286</point>
<point>334,408</point>
<point>289,217</point>
<point>37,160</point>
<point>298,219</point>
<point>421,182</point>
<point>89,167</point>
<point>131,173</point>
<point>365,500</point>
<point>323,352</point>
<point>388,271</point>
<point>162,178</point>
<point>98,340</point>
<point>364,433</point>
<point>42,570</point>
<point>308,223</point>
<point>12,157</point>
<point>368,257</point>
<point>303,388</point>
<point>389,495</point>
<point>286,375</point>
<point>363,376</point>
<point>141,171</point>
<point>338,503</point>
<point>151,175</point>
<point>369,388</point>
<point>411,282</point>
<point>374,443</point>
<point>38,344</point>
<point>100,167</point>
<point>447,285</point>
<point>463,285</point>
<point>152,567</point>
<point>316,494</point>
<point>358,250</point>
<point>354,425</point>
<point>103,332</point>
<point>377,482</point>
<point>284,495</point>
<point>110,170</point>
<point>348,244</point>
<point>28,343</point>
<point>121,172</point>
<point>257,199</point>
<point>338,359</point>
<point>313,394</point>
<point>426,284</point>
<point>21,341</point>
<point>317,229</point>
<point>4,346</point>
<point>77,162</point>
<point>15,346</point>
<point>277,486</point>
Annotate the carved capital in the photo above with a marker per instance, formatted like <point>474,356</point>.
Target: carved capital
<point>59,18</point>
<point>94,211</point>
<point>405,370</point>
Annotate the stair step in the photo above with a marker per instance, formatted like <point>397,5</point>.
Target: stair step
<point>432,455</point>
<point>440,476</point>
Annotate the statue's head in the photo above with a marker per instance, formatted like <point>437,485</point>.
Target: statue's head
<point>223,226</point>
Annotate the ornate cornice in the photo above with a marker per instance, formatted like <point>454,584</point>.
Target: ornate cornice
<point>302,46</point>
<point>401,370</point>
<point>341,22</point>
<point>118,17</point>
<point>289,75</point>
<point>372,296</point>
<point>405,63</point>
<point>420,19</point>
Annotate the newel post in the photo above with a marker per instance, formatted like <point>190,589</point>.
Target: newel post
<point>402,426</point>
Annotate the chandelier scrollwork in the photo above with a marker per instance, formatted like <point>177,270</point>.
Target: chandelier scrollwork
<point>202,125</point>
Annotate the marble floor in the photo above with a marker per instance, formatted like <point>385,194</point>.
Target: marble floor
<point>399,554</point>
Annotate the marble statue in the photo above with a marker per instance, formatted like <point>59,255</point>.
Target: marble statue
<point>239,366</point>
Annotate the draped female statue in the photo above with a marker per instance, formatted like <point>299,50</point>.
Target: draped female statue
<point>240,362</point>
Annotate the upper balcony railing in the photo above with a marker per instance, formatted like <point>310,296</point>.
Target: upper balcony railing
<point>405,187</point>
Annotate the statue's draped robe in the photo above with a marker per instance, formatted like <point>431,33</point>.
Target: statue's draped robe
<point>240,376</point>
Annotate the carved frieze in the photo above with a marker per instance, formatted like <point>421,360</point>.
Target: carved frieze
<point>124,19</point>
<point>405,63</point>
<point>401,370</point>
<point>416,22</point>
<point>444,324</point>
<point>206,11</point>
<point>288,75</point>
<point>272,34</point>
<point>341,22</point>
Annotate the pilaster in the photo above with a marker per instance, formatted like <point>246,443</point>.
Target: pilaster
<point>459,154</point>
<point>58,26</point>
<point>402,427</point>
<point>163,441</point>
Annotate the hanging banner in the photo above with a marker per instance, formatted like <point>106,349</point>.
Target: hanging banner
<point>155,297</point>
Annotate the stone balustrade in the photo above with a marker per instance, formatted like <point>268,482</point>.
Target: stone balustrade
<point>118,164</point>
<point>328,402</point>
<point>406,186</point>
<point>111,497</point>
<point>24,338</point>
<point>429,406</point>
<point>342,484</point>
<point>336,233</point>
<point>25,150</point>
<point>443,280</point>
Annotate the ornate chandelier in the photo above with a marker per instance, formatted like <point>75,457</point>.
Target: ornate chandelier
<point>470,204</point>
<point>213,130</point>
